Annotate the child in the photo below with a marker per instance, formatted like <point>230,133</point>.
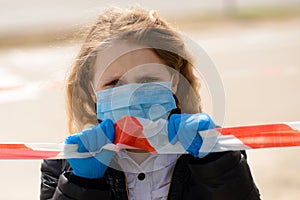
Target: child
<point>133,63</point>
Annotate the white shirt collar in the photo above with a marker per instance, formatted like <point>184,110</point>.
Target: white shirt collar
<point>152,163</point>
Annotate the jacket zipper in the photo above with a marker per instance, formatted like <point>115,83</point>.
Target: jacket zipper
<point>126,185</point>
<point>171,178</point>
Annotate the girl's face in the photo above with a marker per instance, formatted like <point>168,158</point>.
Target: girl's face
<point>125,63</point>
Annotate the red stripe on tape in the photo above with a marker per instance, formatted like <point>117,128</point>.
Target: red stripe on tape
<point>129,131</point>
<point>263,136</point>
<point>21,151</point>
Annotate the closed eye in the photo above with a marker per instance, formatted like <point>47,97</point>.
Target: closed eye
<point>118,82</point>
<point>113,83</point>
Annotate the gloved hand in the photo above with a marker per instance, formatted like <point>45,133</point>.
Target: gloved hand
<point>91,140</point>
<point>184,128</point>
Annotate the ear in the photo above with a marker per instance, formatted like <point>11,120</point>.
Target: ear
<point>175,82</point>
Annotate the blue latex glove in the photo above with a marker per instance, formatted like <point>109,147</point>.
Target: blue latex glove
<point>91,140</point>
<point>184,128</point>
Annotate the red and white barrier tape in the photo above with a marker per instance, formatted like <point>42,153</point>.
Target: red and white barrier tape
<point>135,133</point>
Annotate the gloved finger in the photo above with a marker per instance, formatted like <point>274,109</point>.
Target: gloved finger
<point>109,130</point>
<point>89,139</point>
<point>205,122</point>
<point>72,139</point>
<point>195,146</point>
<point>190,140</point>
<point>178,122</point>
<point>75,139</point>
<point>172,131</point>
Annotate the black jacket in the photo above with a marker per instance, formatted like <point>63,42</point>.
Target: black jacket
<point>217,176</point>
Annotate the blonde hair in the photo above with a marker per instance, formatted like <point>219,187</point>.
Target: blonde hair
<point>139,26</point>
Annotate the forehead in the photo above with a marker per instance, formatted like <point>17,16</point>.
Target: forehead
<point>122,57</point>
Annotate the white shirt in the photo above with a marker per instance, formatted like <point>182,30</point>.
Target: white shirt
<point>149,180</point>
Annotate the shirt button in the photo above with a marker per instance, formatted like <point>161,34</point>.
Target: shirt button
<point>141,176</point>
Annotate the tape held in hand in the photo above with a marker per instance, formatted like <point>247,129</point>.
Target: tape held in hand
<point>222,139</point>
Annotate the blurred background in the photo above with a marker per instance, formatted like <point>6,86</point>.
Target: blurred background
<point>255,46</point>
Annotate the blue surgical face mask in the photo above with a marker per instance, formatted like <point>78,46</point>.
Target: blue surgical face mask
<point>146,100</point>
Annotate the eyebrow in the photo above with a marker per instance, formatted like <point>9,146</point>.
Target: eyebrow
<point>139,79</point>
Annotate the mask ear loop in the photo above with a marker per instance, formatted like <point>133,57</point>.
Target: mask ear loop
<point>172,77</point>
<point>178,109</point>
<point>173,87</point>
<point>94,96</point>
